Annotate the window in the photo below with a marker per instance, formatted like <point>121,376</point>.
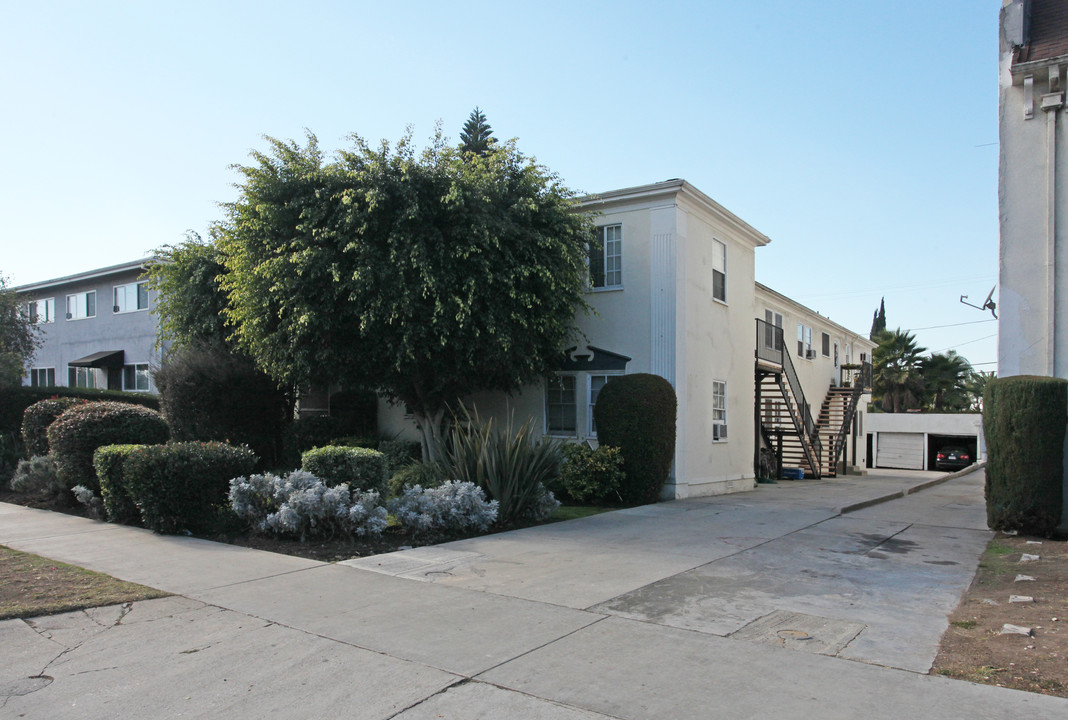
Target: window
<point>135,377</point>
<point>82,377</point>
<point>606,257</point>
<point>594,389</point>
<point>560,409</point>
<point>826,345</point>
<point>772,339</point>
<point>41,311</point>
<point>81,306</point>
<point>719,271</point>
<point>719,411</point>
<point>42,377</point>
<point>804,341</point>
<point>129,298</point>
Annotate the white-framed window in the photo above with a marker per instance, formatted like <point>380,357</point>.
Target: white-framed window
<point>81,305</point>
<point>560,407</point>
<point>804,341</point>
<point>41,311</point>
<point>606,258</point>
<point>825,339</point>
<point>849,354</point>
<point>593,388</point>
<point>131,297</point>
<point>83,377</point>
<point>135,377</point>
<point>719,411</point>
<point>773,320</point>
<point>42,377</point>
<point>719,271</point>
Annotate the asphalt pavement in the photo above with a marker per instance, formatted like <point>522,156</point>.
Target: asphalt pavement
<point>821,599</point>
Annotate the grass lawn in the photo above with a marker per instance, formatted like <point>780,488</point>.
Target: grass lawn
<point>574,512</point>
<point>31,585</point>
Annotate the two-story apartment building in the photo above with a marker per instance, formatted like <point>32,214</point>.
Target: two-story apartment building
<point>98,329</point>
<point>674,294</point>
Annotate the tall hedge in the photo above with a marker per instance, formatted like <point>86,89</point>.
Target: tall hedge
<point>1024,420</point>
<point>208,393</point>
<point>636,413</point>
<point>184,486</point>
<point>118,505</point>
<point>79,431</point>
<point>37,418</point>
<point>14,401</point>
<point>359,467</point>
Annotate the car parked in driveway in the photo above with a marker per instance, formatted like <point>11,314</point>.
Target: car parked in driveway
<point>953,457</point>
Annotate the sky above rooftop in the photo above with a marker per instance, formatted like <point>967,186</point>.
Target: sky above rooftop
<point>860,136</point>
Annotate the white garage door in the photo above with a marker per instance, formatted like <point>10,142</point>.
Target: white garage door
<point>900,450</point>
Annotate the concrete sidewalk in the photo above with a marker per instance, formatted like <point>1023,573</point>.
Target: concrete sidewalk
<point>769,603</point>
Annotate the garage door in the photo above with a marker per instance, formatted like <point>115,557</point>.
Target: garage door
<point>900,450</point>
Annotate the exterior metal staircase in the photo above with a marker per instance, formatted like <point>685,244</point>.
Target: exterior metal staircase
<point>837,413</point>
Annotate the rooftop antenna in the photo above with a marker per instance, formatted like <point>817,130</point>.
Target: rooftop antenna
<point>988,304</point>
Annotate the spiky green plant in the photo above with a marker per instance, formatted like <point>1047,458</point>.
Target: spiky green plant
<point>511,465</point>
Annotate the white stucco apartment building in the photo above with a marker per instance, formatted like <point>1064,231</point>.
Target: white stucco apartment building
<point>674,294</point>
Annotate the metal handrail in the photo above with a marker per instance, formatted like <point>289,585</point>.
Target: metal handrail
<point>860,384</point>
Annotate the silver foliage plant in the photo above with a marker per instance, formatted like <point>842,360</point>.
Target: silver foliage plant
<point>452,507</point>
<point>302,505</point>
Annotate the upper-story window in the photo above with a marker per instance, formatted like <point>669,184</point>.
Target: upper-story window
<point>41,311</point>
<point>826,340</point>
<point>606,257</point>
<point>81,305</point>
<point>719,270</point>
<point>804,341</point>
<point>129,298</point>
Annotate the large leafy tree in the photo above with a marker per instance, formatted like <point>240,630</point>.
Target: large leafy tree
<point>897,377</point>
<point>19,336</point>
<point>477,135</point>
<point>190,302</point>
<point>424,276</point>
<point>944,377</point>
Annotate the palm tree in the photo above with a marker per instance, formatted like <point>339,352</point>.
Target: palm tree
<point>897,377</point>
<point>975,386</point>
<point>944,376</point>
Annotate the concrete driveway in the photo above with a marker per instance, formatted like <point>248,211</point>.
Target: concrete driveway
<point>766,604</point>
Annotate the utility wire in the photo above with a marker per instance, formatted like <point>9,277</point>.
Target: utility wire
<point>936,327</point>
<point>954,347</point>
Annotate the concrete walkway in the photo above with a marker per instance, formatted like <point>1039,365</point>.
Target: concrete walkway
<point>765,604</point>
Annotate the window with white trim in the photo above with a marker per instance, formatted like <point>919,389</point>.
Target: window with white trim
<point>593,389</point>
<point>81,305</point>
<point>606,257</point>
<point>135,378</point>
<point>41,311</point>
<point>83,377</point>
<point>804,341</point>
<point>560,408</point>
<point>719,271</point>
<point>719,411</point>
<point>826,342</point>
<point>131,297</point>
<point>42,377</point>
<point>771,338</point>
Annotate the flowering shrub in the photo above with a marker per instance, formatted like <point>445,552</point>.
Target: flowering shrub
<point>359,467</point>
<point>37,475</point>
<point>302,505</point>
<point>451,507</point>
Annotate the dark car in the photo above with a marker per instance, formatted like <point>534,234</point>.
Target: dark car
<point>953,458</point>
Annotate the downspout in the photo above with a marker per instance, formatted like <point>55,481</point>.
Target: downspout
<point>1051,104</point>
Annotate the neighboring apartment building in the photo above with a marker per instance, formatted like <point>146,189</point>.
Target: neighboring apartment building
<point>1032,181</point>
<point>674,295</point>
<point>97,327</point>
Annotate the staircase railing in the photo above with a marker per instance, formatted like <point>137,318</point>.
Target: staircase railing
<point>860,383</point>
<point>770,347</point>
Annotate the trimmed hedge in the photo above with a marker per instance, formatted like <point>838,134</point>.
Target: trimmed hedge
<point>591,476</point>
<point>636,413</point>
<point>14,401</point>
<point>79,431</point>
<point>36,419</point>
<point>1024,420</point>
<point>359,467</point>
<point>309,432</point>
<point>184,486</point>
<point>118,505</point>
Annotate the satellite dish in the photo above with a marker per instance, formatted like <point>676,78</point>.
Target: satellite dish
<point>988,304</point>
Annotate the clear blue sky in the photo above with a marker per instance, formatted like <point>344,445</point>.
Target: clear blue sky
<point>859,135</point>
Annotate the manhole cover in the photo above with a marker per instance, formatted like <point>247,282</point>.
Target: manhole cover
<point>25,686</point>
<point>798,631</point>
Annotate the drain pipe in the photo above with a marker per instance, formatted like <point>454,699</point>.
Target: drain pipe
<point>1051,104</point>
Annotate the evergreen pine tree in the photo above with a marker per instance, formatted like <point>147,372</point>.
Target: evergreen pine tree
<point>878,321</point>
<point>477,135</point>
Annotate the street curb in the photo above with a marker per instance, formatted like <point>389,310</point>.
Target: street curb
<point>910,490</point>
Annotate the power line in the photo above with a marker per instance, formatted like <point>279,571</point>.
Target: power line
<point>954,347</point>
<point>936,327</point>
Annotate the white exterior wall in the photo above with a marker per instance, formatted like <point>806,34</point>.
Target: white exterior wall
<point>968,425</point>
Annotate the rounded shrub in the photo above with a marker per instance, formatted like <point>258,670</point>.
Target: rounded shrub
<point>37,475</point>
<point>359,467</point>
<point>210,394</point>
<point>592,476</point>
<point>1024,420</point>
<point>108,460</point>
<point>81,429</point>
<point>37,418</point>
<point>636,413</point>
<point>184,486</point>
<point>426,475</point>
